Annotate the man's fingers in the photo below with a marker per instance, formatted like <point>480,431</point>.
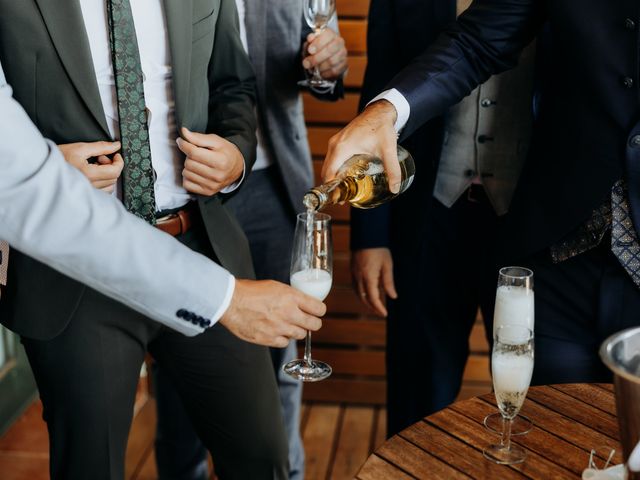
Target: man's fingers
<point>318,41</point>
<point>108,189</point>
<point>96,172</point>
<point>95,149</point>
<point>104,160</point>
<point>373,295</point>
<point>279,342</point>
<point>209,187</point>
<point>387,280</point>
<point>206,140</point>
<point>323,53</point>
<point>310,305</point>
<point>307,322</point>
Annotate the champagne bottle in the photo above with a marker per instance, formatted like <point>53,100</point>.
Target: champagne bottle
<point>362,182</point>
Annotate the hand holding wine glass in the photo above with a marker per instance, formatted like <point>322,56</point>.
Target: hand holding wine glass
<point>317,14</point>
<point>311,273</point>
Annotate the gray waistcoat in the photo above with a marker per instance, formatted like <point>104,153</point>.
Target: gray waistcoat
<point>487,137</point>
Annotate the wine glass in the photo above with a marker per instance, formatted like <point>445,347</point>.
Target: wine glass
<point>311,273</point>
<point>317,14</point>
<point>514,306</point>
<point>511,368</point>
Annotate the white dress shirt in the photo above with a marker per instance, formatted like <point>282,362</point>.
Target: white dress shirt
<point>262,157</point>
<point>403,109</point>
<point>155,57</point>
<point>153,45</point>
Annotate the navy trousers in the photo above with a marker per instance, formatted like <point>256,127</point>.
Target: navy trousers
<point>441,280</point>
<point>579,303</point>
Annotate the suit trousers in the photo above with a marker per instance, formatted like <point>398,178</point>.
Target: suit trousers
<point>263,211</point>
<point>578,304</point>
<point>87,377</point>
<point>441,284</point>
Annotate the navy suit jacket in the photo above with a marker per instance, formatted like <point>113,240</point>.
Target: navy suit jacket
<point>588,120</point>
<point>400,30</point>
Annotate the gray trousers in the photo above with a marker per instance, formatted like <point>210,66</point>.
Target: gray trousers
<point>262,209</point>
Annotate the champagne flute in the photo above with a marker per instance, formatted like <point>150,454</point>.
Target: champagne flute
<point>514,306</point>
<point>317,14</point>
<point>311,273</point>
<point>511,368</point>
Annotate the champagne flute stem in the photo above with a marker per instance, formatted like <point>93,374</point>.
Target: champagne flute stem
<point>307,349</point>
<point>505,441</point>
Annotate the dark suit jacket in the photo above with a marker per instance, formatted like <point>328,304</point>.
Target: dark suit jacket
<point>588,118</point>
<point>46,57</point>
<point>398,31</point>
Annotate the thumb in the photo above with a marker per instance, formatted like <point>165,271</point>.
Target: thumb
<point>392,166</point>
<point>206,140</point>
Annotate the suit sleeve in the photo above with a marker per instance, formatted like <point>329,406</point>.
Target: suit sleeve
<point>49,211</point>
<point>232,86</point>
<point>486,40</point>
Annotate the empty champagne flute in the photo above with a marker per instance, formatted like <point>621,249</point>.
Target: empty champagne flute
<point>311,273</point>
<point>514,306</point>
<point>318,14</point>
<point>511,368</point>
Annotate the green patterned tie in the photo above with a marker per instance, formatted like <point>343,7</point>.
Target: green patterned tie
<point>137,177</point>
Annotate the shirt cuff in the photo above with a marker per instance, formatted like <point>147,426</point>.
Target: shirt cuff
<point>234,186</point>
<point>403,109</point>
<point>231,286</point>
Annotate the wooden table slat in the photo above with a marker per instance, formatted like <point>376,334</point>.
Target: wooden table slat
<point>578,411</point>
<point>416,461</point>
<point>569,421</point>
<point>447,447</point>
<point>538,442</point>
<point>596,397</point>
<point>378,468</point>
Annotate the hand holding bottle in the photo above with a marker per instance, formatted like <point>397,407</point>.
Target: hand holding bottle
<point>373,133</point>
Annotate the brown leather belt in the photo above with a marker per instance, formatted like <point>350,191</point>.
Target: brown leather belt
<point>177,223</point>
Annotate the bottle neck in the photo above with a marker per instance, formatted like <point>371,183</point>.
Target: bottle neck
<point>329,193</point>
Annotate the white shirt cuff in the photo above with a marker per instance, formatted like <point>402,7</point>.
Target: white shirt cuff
<point>234,186</point>
<point>403,109</point>
<point>231,286</point>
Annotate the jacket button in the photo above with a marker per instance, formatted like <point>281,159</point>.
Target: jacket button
<point>635,141</point>
<point>627,82</point>
<point>485,102</point>
<point>470,173</point>
<point>629,24</point>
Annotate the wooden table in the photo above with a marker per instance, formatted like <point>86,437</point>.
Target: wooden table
<point>569,420</point>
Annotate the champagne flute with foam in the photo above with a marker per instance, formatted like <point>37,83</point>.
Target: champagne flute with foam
<point>514,306</point>
<point>311,273</point>
<point>511,369</point>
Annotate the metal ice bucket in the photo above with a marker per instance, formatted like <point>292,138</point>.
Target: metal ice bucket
<point>621,353</point>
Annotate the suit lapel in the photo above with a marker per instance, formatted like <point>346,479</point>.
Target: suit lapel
<point>64,22</point>
<point>179,17</point>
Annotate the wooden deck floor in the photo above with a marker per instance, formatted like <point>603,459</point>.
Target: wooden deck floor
<point>338,438</point>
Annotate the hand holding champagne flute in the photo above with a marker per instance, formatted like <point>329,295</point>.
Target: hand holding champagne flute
<point>311,273</point>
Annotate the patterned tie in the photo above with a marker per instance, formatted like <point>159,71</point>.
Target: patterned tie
<point>137,177</point>
<point>624,238</point>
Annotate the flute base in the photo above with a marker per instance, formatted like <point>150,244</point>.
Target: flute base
<point>505,456</point>
<point>521,425</point>
<point>320,85</point>
<point>307,372</point>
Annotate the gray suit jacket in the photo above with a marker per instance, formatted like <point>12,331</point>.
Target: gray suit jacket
<point>50,211</point>
<point>51,71</point>
<point>276,31</point>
